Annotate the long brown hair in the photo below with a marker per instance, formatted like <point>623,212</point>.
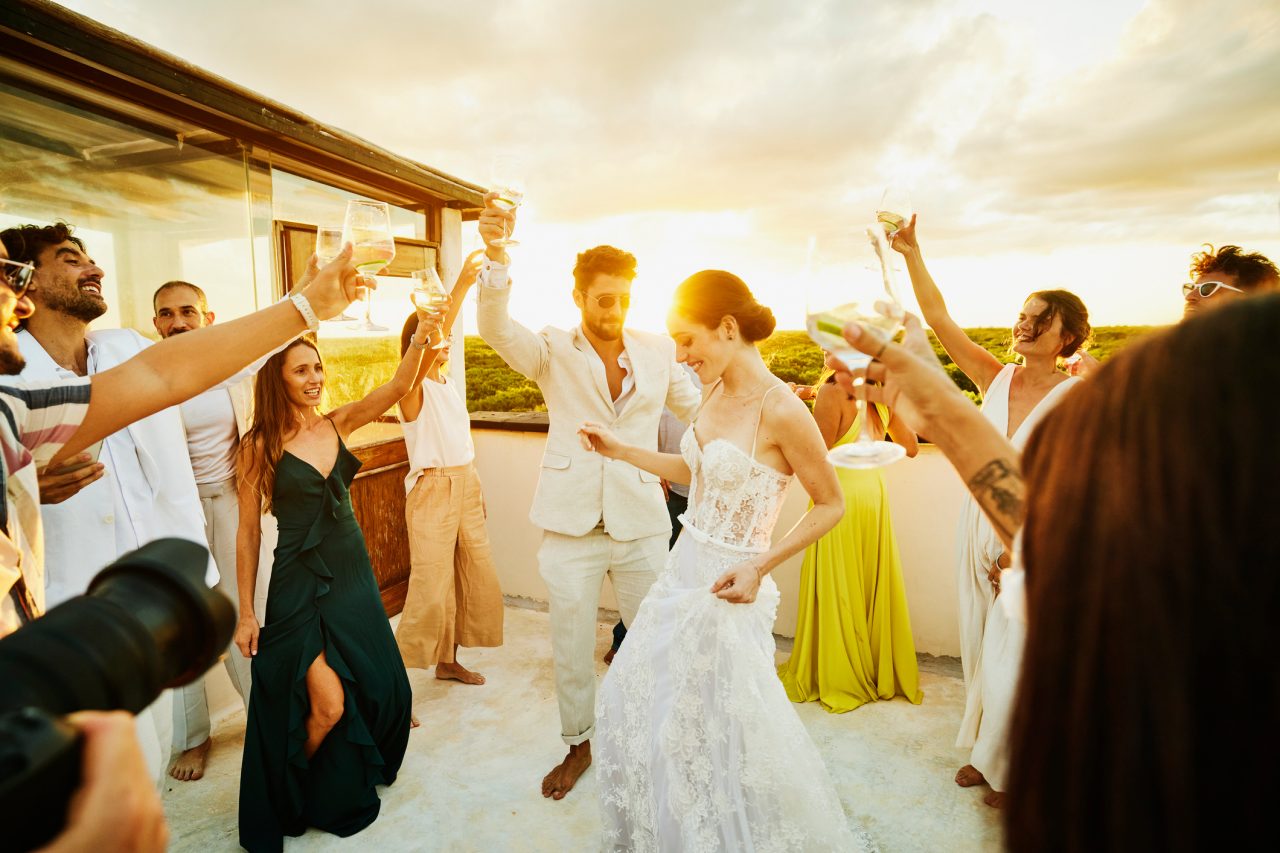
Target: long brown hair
<point>273,419</point>
<point>1146,712</point>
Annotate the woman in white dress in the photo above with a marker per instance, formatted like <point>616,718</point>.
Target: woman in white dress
<point>1052,325</point>
<point>697,745</point>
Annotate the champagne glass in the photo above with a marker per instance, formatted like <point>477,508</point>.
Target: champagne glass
<point>328,246</point>
<point>368,228</point>
<point>851,278</point>
<point>429,295</point>
<point>506,178</point>
<point>894,211</point>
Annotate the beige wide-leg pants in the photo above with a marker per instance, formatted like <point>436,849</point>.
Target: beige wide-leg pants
<point>453,595</point>
<point>573,568</point>
<point>221,521</point>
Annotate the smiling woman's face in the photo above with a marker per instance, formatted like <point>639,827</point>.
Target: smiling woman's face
<point>1031,336</point>
<point>707,351</point>
<point>303,376</point>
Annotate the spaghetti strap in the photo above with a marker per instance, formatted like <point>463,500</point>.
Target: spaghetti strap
<point>759,418</point>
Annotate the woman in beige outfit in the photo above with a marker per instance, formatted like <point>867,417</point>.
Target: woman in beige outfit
<point>453,598</point>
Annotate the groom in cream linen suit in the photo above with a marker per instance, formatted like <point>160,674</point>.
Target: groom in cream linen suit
<point>598,515</point>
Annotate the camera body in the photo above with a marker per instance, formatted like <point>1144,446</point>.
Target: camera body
<point>147,623</point>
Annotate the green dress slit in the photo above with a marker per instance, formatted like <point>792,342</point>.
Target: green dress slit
<point>322,597</point>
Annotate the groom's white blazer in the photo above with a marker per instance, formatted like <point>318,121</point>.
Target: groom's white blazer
<point>578,488</point>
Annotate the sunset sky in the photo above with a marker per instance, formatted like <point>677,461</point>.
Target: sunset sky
<point>1087,145</point>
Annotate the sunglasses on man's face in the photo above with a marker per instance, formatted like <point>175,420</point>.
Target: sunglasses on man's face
<point>16,275</point>
<point>1207,288</point>
<point>608,300</point>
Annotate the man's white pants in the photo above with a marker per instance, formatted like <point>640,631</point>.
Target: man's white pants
<point>573,568</point>
<point>221,520</point>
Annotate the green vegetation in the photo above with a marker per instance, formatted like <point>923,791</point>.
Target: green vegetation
<point>354,367</point>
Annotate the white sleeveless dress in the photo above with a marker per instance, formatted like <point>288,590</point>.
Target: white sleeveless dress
<point>697,746</point>
<point>991,647</point>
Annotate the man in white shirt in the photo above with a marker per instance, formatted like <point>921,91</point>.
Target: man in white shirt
<point>598,516</point>
<point>214,422</point>
<point>142,487</point>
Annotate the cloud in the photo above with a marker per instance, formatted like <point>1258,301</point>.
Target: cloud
<point>1020,131</point>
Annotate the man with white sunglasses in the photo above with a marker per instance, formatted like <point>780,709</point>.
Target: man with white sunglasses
<point>1223,276</point>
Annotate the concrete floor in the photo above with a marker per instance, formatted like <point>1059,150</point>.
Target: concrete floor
<point>470,781</point>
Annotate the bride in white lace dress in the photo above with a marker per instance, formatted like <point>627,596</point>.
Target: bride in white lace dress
<point>697,746</point>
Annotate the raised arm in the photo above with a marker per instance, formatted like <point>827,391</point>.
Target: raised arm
<point>978,364</point>
<point>834,411</point>
<point>178,368</point>
<point>794,432</point>
<point>914,384</point>
<point>669,466</point>
<point>248,540</point>
<point>349,418</point>
<point>411,403</point>
<point>523,350</point>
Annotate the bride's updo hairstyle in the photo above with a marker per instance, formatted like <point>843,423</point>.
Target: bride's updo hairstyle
<point>709,296</point>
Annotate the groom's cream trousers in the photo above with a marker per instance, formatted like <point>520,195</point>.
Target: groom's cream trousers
<point>573,568</point>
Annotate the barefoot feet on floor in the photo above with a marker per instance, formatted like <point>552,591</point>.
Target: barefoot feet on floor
<point>189,766</point>
<point>995,799</point>
<point>414,722</point>
<point>457,672</point>
<point>968,776</point>
<point>561,780</point>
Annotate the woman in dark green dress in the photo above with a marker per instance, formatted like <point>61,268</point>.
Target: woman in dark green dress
<point>329,709</point>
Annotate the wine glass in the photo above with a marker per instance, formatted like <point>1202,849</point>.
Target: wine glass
<point>328,246</point>
<point>368,228</point>
<point>429,295</point>
<point>506,178</point>
<point>851,278</point>
<point>894,211</point>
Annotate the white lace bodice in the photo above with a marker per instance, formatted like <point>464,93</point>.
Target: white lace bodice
<point>734,500</point>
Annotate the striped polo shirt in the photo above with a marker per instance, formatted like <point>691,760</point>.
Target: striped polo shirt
<point>36,420</point>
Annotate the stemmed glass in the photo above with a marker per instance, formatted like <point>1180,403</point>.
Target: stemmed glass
<point>506,178</point>
<point>429,295</point>
<point>850,277</point>
<point>328,246</point>
<point>894,211</point>
<point>368,228</point>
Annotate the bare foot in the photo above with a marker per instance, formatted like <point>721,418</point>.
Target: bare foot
<point>561,780</point>
<point>457,672</point>
<point>995,799</point>
<point>189,766</point>
<point>608,656</point>
<point>413,721</point>
<point>968,776</point>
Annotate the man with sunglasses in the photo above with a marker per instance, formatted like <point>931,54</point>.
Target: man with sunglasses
<point>598,516</point>
<point>1223,276</point>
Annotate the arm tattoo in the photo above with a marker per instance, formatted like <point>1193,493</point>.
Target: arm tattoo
<point>999,490</point>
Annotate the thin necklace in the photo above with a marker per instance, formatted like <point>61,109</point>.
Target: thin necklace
<point>756,390</point>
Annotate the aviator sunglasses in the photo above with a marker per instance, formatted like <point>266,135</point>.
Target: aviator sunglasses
<point>1207,289</point>
<point>18,278</point>
<point>607,300</point>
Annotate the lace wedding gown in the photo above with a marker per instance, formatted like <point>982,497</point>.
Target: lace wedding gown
<point>697,746</point>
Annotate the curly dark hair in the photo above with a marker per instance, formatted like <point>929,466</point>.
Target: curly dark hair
<point>1251,270</point>
<point>26,242</point>
<point>604,260</point>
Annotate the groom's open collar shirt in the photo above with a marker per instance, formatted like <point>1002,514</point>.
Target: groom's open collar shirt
<point>497,276</point>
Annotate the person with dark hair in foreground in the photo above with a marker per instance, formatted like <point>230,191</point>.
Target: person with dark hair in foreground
<point>700,749</point>
<point>1145,712</point>
<point>1052,325</point>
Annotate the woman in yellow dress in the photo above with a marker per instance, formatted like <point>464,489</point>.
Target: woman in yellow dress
<point>853,636</point>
